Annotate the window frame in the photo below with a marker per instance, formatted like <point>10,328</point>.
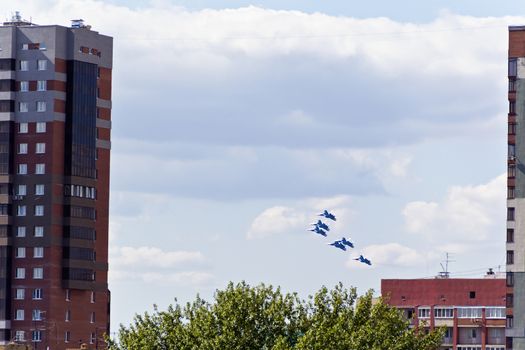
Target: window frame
<point>36,231</point>
<point>24,86</point>
<point>40,169</point>
<point>41,106</point>
<point>23,107</point>
<point>38,273</point>
<point>38,252</point>
<point>39,210</point>
<point>41,65</point>
<point>41,85</point>
<point>39,189</point>
<point>40,127</point>
<point>22,169</point>
<point>20,294</point>
<point>40,148</point>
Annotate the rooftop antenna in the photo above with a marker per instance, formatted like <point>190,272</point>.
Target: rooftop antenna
<point>445,273</point>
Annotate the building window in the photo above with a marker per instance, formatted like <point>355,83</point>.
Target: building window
<point>510,322</point>
<point>67,337</point>
<point>92,318</point>
<point>448,333</point>
<point>510,279</point>
<point>509,300</point>
<point>40,106</point>
<point>20,336</point>
<point>39,190</point>
<point>19,316</point>
<point>22,169</point>
<point>40,148</point>
<point>21,252</point>
<point>68,295</point>
<point>472,294</point>
<point>40,169</point>
<point>20,273</point>
<point>20,294</point>
<point>513,67</point>
<point>512,151</point>
<point>92,338</point>
<point>21,190</point>
<point>510,235</point>
<point>495,312</point>
<point>39,210</point>
<point>21,231</point>
<point>23,128</point>
<point>510,214</point>
<point>39,231</point>
<point>42,64</point>
<point>442,312</point>
<point>511,192</point>
<point>512,107</point>
<point>24,65</point>
<point>38,273</point>
<point>510,257</point>
<point>469,312</point>
<point>68,316</point>
<point>41,85</point>
<point>38,252</point>
<point>22,148</point>
<point>24,86</point>
<point>21,210</point>
<point>37,335</point>
<point>37,315</point>
<point>37,294</point>
<point>423,312</point>
<point>4,209</point>
<point>512,129</point>
<point>511,170</point>
<point>512,85</point>
<point>23,107</point>
<point>40,127</point>
<point>92,299</point>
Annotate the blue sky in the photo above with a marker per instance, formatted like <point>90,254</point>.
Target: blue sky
<point>236,122</point>
<point>402,10</point>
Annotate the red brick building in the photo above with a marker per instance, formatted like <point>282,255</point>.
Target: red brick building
<point>55,122</point>
<point>472,310</point>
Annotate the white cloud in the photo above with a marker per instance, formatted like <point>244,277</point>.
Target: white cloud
<point>276,220</point>
<point>399,166</point>
<point>185,278</point>
<point>151,257</point>
<point>213,35</point>
<point>283,219</point>
<point>154,265</point>
<point>468,213</point>
<point>393,255</point>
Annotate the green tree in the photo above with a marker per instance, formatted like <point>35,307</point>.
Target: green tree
<point>264,318</point>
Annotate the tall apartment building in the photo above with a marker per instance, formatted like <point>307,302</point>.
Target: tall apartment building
<point>472,310</point>
<point>516,191</point>
<point>55,102</point>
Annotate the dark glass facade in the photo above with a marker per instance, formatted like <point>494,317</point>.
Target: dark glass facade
<point>5,286</point>
<point>81,119</point>
<point>6,141</point>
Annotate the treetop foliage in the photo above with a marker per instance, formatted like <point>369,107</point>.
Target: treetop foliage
<point>264,318</point>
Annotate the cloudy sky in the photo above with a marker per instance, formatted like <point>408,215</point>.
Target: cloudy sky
<point>236,122</point>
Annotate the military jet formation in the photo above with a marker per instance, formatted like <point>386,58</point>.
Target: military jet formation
<point>322,229</point>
